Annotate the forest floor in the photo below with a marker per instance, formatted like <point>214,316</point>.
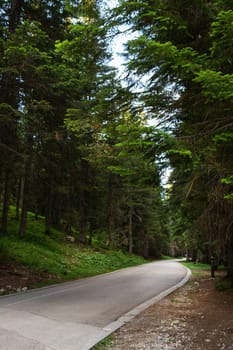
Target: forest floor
<point>195,317</point>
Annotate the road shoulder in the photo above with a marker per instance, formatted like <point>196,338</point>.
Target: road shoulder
<point>193,317</point>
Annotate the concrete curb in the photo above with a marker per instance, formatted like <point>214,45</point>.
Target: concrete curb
<point>112,327</point>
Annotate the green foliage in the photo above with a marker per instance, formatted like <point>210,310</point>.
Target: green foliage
<point>51,254</point>
<point>95,164</point>
<point>216,85</point>
<point>187,51</point>
<point>77,155</point>
<point>229,196</point>
<point>223,285</point>
<point>227,180</point>
<point>181,152</point>
<point>36,257</point>
<point>166,257</point>
<point>221,34</point>
<point>197,266</point>
<point>42,253</point>
<point>63,261</point>
<point>223,137</point>
<point>91,263</point>
<point>103,344</point>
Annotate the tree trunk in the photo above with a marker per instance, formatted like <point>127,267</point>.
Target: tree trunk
<point>130,230</point>
<point>110,210</point>
<point>9,94</point>
<point>19,198</point>
<point>25,197</point>
<point>6,200</point>
<point>146,246</point>
<point>90,232</point>
<point>48,209</point>
<point>9,91</point>
<point>2,176</point>
<point>230,259</point>
<point>15,13</point>
<point>83,202</point>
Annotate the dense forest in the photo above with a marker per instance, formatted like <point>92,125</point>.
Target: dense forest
<point>89,151</point>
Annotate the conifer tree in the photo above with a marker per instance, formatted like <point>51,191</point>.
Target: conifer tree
<point>184,51</point>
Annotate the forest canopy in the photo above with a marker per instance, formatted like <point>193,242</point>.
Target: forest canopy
<point>77,143</point>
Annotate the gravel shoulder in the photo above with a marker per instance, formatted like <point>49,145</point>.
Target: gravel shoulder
<point>195,317</point>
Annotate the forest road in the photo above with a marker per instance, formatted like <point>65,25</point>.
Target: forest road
<point>76,315</point>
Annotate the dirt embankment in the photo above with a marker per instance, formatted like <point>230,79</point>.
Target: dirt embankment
<point>17,278</point>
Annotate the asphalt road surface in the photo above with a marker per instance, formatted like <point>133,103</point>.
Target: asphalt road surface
<point>76,315</point>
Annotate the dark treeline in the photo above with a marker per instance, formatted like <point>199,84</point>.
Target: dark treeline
<point>75,143</point>
<point>72,147</point>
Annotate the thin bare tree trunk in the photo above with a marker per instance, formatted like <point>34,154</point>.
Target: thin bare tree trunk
<point>19,198</point>
<point>48,209</point>
<point>83,202</point>
<point>130,230</point>
<point>25,197</point>
<point>230,258</point>
<point>6,200</point>
<point>110,211</point>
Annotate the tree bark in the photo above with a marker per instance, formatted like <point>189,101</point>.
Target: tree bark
<point>15,13</point>
<point>230,259</point>
<point>90,232</point>
<point>146,246</point>
<point>6,200</point>
<point>110,210</point>
<point>19,198</point>
<point>130,229</point>
<point>48,209</point>
<point>9,95</point>
<point>25,197</point>
<point>83,202</point>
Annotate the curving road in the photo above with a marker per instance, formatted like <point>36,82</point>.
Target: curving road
<point>76,315</point>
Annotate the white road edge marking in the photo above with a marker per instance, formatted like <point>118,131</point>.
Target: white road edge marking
<point>112,327</point>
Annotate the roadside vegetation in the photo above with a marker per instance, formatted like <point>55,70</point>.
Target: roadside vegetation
<point>196,267</point>
<point>221,280</point>
<point>54,255</point>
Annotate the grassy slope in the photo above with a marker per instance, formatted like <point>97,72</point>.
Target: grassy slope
<point>221,282</point>
<point>52,254</point>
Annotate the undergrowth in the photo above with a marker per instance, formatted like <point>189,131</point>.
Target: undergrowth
<point>224,284</point>
<point>53,255</point>
<point>196,266</point>
<point>221,282</point>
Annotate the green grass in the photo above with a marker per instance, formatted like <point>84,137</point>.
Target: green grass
<point>166,257</point>
<point>197,266</point>
<point>64,261</point>
<point>53,255</point>
<point>198,269</point>
<point>221,282</point>
<point>103,344</point>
